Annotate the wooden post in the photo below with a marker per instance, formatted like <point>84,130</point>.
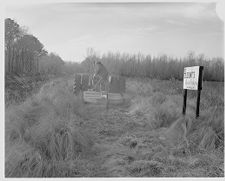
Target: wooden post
<point>198,103</point>
<point>199,90</point>
<point>184,101</point>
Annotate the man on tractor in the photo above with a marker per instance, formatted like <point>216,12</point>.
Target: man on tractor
<point>103,75</point>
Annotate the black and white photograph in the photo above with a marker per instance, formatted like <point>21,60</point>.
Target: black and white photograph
<point>113,89</point>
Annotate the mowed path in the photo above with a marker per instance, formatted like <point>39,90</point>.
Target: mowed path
<point>108,127</point>
<point>120,138</point>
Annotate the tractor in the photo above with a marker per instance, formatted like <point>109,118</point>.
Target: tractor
<point>94,90</point>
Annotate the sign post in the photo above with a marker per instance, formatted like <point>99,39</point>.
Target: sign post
<point>184,101</point>
<point>198,103</point>
<point>192,81</point>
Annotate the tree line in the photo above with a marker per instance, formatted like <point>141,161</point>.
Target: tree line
<point>22,50</point>
<point>160,67</point>
<point>25,54</point>
<point>27,64</point>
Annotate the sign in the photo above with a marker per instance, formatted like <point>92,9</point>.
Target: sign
<point>192,81</point>
<point>191,78</point>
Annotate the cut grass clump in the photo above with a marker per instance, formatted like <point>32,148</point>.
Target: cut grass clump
<point>203,160</point>
<point>166,114</point>
<point>158,98</point>
<point>129,140</point>
<point>208,139</point>
<point>215,172</point>
<point>140,106</point>
<point>142,168</point>
<point>207,132</point>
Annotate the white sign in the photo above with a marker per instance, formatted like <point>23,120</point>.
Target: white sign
<point>191,78</point>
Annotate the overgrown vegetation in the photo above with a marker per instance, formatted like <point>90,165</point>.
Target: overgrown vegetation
<point>27,64</point>
<point>49,132</point>
<point>53,134</point>
<point>153,115</point>
<point>42,138</point>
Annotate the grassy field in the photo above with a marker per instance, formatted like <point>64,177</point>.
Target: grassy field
<point>54,134</point>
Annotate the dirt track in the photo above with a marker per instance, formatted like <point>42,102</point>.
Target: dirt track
<point>118,139</point>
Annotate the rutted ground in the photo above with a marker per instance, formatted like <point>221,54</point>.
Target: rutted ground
<point>124,140</point>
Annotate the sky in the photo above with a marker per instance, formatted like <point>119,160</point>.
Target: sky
<point>69,29</point>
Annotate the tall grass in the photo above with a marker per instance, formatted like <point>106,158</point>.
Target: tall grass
<point>42,139</point>
<point>161,110</point>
